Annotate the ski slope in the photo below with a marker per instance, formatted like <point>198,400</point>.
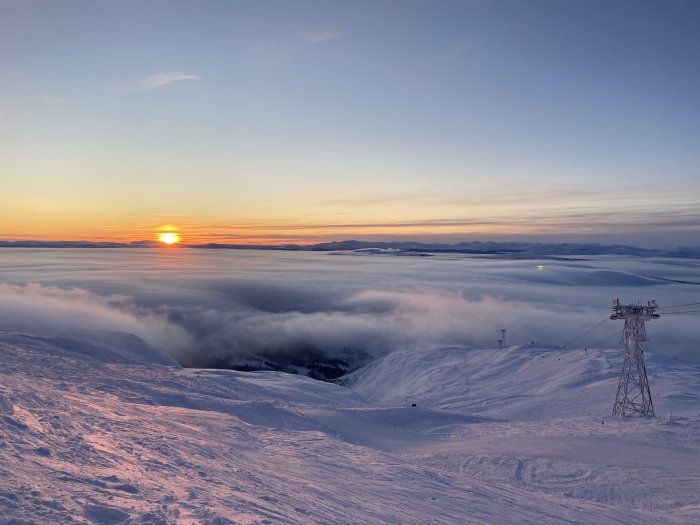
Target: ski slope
<point>92,434</point>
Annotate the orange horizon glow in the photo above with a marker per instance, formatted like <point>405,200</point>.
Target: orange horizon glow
<point>506,217</point>
<point>378,217</point>
<point>263,234</point>
<point>289,232</point>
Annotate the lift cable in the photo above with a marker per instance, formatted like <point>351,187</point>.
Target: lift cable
<point>616,332</point>
<point>586,332</point>
<point>678,306</point>
<point>664,313</point>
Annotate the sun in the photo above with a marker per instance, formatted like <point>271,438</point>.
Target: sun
<point>169,238</point>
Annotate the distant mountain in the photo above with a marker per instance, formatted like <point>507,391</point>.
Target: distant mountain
<point>504,249</point>
<point>76,244</point>
<point>513,250</point>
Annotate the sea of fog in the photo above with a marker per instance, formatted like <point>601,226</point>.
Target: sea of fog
<point>203,307</point>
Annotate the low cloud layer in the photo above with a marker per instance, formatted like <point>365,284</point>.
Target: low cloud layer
<point>277,304</point>
<point>50,311</point>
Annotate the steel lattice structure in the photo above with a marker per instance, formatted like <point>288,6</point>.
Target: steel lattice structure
<point>633,394</point>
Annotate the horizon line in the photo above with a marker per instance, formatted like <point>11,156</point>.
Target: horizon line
<point>147,243</point>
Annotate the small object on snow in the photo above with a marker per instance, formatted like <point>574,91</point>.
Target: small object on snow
<point>413,404</point>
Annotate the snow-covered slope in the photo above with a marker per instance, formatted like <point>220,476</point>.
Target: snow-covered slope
<point>91,440</point>
<point>546,421</point>
<point>520,383</point>
<point>102,346</point>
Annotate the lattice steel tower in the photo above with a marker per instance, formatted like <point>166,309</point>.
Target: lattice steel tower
<point>633,394</point>
<point>502,340</point>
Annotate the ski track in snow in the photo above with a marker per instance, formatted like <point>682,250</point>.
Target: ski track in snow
<point>516,435</point>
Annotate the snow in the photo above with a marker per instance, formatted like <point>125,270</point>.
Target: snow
<point>514,435</point>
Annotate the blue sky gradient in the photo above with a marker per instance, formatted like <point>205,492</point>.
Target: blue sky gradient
<point>292,120</point>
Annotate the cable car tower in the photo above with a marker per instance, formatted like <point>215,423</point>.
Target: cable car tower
<point>633,394</point>
<point>502,340</point>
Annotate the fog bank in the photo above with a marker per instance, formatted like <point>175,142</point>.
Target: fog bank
<point>213,309</point>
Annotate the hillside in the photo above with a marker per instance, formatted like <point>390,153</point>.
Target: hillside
<point>526,382</point>
<point>497,436</point>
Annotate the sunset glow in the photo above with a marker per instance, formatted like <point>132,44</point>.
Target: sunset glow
<point>169,238</point>
<point>451,143</point>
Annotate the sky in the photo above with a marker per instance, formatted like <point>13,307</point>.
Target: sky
<point>276,121</point>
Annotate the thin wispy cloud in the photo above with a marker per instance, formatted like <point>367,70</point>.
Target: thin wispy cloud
<point>687,196</point>
<point>158,80</point>
<point>516,216</point>
<point>290,45</point>
<point>164,78</point>
<point>321,35</point>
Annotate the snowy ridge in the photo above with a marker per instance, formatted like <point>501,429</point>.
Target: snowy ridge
<point>102,346</point>
<point>104,442</point>
<point>533,381</point>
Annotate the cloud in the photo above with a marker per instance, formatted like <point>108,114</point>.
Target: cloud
<point>158,80</point>
<point>209,309</point>
<point>290,45</point>
<point>378,321</point>
<point>318,36</point>
<point>164,78</point>
<point>49,311</point>
<point>652,217</point>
